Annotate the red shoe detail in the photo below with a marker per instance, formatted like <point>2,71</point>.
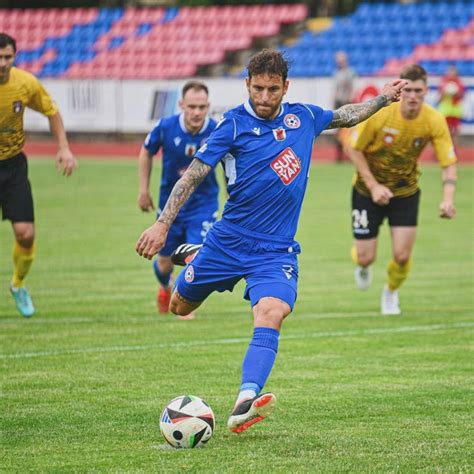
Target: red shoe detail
<point>163,300</point>
<point>248,424</point>
<point>263,401</point>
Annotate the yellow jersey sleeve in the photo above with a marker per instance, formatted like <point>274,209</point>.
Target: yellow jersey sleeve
<point>442,142</point>
<point>40,100</point>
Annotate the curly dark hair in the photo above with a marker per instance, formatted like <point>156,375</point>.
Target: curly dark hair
<point>268,61</point>
<point>7,40</point>
<point>414,72</point>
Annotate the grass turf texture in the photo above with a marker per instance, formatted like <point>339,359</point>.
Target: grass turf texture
<point>84,381</point>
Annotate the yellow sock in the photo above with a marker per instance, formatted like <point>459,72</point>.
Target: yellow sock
<point>354,255</point>
<point>397,274</point>
<point>22,259</point>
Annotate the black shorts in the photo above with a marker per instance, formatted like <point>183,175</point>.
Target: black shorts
<point>367,216</point>
<point>16,199</point>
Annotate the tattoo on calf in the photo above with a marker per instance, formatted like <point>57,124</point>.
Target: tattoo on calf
<point>352,114</point>
<point>191,179</point>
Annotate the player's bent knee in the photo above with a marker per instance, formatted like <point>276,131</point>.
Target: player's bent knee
<point>402,258</point>
<point>25,235</point>
<point>365,256</point>
<point>364,260</point>
<point>164,264</point>
<point>271,312</point>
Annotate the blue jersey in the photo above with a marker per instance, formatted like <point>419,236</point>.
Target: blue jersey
<point>179,146</point>
<point>266,163</point>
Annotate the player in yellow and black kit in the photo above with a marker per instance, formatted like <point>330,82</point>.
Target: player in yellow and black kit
<point>18,90</point>
<point>385,150</point>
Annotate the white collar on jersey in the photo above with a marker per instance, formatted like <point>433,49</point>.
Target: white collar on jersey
<point>185,130</point>
<point>249,109</point>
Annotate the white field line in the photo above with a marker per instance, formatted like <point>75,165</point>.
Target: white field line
<point>188,344</point>
<point>171,319</point>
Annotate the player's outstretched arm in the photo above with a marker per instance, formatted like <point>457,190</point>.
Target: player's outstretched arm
<point>352,114</point>
<point>154,238</point>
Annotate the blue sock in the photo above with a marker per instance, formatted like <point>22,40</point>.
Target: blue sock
<point>164,279</point>
<point>259,359</point>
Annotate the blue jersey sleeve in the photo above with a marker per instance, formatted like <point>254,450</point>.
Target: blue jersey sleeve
<point>154,139</point>
<point>219,143</point>
<point>322,118</point>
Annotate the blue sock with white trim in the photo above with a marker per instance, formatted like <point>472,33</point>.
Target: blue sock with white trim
<point>258,361</point>
<point>163,278</point>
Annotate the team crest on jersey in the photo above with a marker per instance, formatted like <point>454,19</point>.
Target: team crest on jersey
<point>279,134</point>
<point>189,275</point>
<point>17,106</point>
<point>177,141</point>
<point>292,121</point>
<point>388,139</point>
<point>190,149</point>
<point>417,142</point>
<point>287,166</point>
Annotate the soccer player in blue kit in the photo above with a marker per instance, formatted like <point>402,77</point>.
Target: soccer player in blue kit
<point>265,146</point>
<point>179,137</point>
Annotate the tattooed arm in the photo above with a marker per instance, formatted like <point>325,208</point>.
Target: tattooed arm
<point>190,180</point>
<point>352,114</point>
<point>153,239</point>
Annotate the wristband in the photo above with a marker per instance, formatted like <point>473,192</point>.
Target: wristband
<point>449,181</point>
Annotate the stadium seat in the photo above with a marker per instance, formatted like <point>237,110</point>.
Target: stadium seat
<point>73,41</point>
<point>407,32</point>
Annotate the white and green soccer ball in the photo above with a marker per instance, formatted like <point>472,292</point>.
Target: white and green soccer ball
<point>187,422</point>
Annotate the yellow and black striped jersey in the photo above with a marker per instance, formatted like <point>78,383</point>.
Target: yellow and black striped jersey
<point>22,90</point>
<point>392,145</point>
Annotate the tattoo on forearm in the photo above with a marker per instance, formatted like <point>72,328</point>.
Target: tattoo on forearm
<point>352,114</point>
<point>190,180</point>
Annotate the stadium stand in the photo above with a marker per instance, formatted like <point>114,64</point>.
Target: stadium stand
<point>379,37</point>
<point>138,43</point>
<point>167,43</point>
<point>454,47</point>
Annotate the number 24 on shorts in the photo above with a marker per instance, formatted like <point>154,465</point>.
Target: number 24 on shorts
<point>360,219</point>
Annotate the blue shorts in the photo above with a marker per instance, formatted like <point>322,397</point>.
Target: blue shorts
<point>269,265</point>
<point>189,229</point>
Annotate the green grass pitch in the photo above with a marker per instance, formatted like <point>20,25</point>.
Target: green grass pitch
<point>84,381</point>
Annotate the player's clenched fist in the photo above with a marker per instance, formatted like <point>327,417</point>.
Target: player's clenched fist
<point>447,210</point>
<point>152,240</point>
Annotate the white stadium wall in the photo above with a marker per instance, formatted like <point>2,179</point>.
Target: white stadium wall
<point>101,106</point>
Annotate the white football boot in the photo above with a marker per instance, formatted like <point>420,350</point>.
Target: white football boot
<point>363,277</point>
<point>389,304</point>
<point>249,412</point>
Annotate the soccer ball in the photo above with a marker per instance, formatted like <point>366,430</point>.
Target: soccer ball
<point>187,422</point>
